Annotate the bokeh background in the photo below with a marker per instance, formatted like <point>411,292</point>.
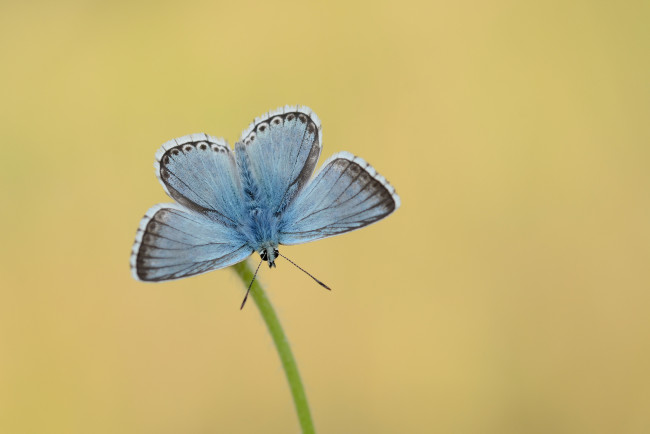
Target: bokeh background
<point>509,294</point>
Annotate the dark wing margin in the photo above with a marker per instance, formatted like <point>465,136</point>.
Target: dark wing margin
<point>173,242</point>
<point>347,194</point>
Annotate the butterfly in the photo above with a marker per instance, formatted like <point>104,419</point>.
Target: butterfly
<point>230,205</point>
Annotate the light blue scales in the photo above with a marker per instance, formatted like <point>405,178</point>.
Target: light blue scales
<point>232,204</point>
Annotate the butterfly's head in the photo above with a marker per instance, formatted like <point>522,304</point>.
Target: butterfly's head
<point>269,254</point>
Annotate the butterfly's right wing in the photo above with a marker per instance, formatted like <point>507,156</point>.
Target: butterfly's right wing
<point>347,194</point>
<point>174,242</point>
<point>277,155</point>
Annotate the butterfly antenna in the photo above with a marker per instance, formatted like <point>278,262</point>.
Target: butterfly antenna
<point>251,284</point>
<point>306,272</point>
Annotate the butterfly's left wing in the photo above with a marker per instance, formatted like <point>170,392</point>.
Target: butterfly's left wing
<point>173,242</point>
<point>277,155</point>
<point>347,194</point>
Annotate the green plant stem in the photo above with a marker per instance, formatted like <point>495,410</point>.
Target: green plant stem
<point>245,272</point>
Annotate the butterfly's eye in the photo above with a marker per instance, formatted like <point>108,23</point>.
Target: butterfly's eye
<point>264,256</point>
<point>276,252</point>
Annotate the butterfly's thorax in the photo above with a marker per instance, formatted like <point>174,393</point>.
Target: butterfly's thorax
<point>261,230</point>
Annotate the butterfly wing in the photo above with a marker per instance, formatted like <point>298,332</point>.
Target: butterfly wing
<point>347,194</point>
<point>199,171</point>
<point>277,154</point>
<point>174,242</point>
<point>198,234</point>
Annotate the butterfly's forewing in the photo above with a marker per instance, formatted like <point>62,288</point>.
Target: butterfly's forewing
<point>347,194</point>
<point>199,172</point>
<point>174,242</point>
<point>280,150</point>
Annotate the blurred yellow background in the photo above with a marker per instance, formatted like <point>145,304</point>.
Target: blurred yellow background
<point>509,294</point>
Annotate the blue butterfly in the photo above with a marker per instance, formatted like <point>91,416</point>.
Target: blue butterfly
<point>232,204</point>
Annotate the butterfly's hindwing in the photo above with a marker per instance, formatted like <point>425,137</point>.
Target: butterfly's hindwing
<point>347,194</point>
<point>173,242</point>
<point>199,172</point>
<point>281,150</point>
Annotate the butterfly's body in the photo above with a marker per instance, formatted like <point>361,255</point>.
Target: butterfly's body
<point>231,204</point>
<point>262,233</point>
